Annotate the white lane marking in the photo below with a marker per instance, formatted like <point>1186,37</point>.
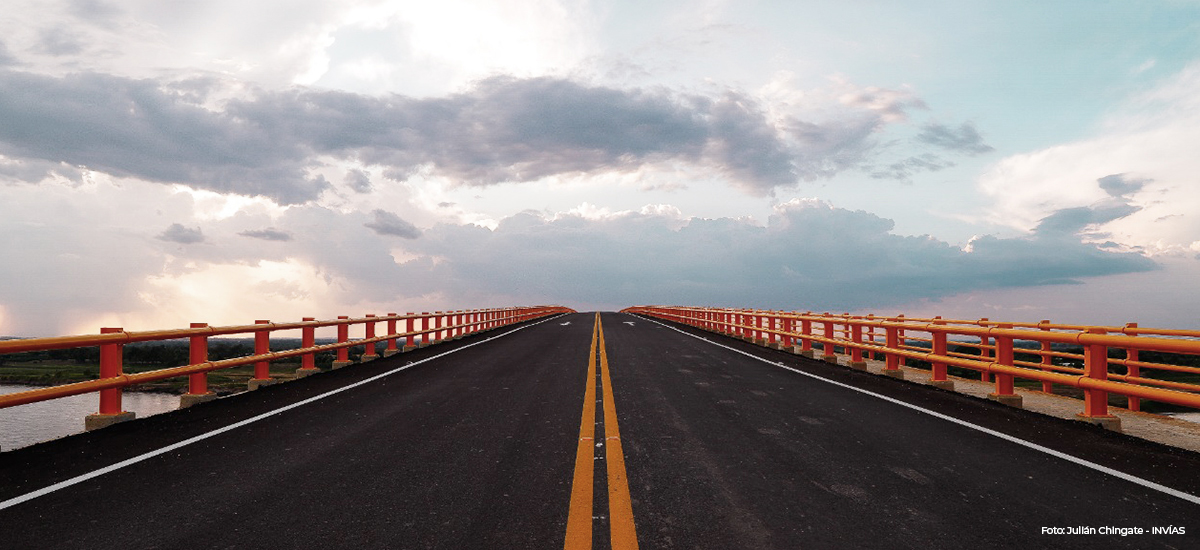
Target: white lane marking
<point>564,324</point>
<point>630,323</point>
<point>1086,463</point>
<point>114,467</point>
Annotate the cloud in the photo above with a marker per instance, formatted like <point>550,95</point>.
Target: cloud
<point>1141,156</point>
<point>268,234</point>
<point>358,180</point>
<point>177,233</point>
<point>140,128</point>
<point>58,42</point>
<point>965,139</point>
<point>906,168</point>
<point>504,129</point>
<point>387,223</point>
<point>1120,185</point>
<point>810,255</point>
<point>6,57</point>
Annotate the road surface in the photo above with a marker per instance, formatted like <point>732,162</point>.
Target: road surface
<point>484,443</point>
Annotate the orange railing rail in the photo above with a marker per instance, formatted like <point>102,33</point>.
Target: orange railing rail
<point>937,341</point>
<point>433,328</point>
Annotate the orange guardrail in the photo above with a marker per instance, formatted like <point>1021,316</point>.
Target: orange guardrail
<point>433,328</point>
<point>990,346</point>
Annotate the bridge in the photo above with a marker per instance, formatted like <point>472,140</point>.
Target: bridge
<point>654,427</point>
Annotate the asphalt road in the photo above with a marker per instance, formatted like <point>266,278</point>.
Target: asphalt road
<point>479,449</point>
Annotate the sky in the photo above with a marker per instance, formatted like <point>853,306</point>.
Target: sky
<point>163,163</point>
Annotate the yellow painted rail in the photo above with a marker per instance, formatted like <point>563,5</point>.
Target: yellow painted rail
<point>939,342</point>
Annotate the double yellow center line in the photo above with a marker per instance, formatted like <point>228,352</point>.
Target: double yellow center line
<point>620,510</point>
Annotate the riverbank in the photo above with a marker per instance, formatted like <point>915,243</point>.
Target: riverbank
<point>43,373</point>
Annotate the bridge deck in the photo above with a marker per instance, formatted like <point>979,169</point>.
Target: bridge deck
<point>477,449</point>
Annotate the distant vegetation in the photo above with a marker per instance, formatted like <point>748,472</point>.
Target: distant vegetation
<point>63,366</point>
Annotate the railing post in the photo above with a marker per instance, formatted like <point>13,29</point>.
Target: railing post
<point>1047,359</point>
<point>939,379</point>
<point>308,339</point>
<point>983,352</point>
<point>789,328</point>
<point>262,369</point>
<point>343,335</point>
<point>437,327</point>
<point>111,366</point>
<point>1095,401</point>
<point>856,355</point>
<point>426,329</point>
<point>391,342</point>
<point>197,382</point>
<point>369,352</point>
<point>1131,355</point>
<point>410,330</point>
<point>1004,382</point>
<point>805,347</point>
<point>893,341</point>
<point>871,335</point>
<point>902,341</point>
<point>827,346</point>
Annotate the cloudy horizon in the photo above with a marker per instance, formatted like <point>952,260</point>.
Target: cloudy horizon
<point>216,162</point>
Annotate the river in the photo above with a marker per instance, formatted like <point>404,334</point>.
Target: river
<point>36,422</point>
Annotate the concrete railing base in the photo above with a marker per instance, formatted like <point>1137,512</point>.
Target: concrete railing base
<point>1011,400</point>
<point>188,399</point>
<point>97,421</point>
<point>254,383</point>
<point>339,364</point>
<point>301,373</point>
<point>1107,422</point>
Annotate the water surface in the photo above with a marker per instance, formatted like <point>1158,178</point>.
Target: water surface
<point>36,422</point>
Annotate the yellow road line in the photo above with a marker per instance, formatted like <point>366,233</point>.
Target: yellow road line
<point>620,508</point>
<point>579,518</point>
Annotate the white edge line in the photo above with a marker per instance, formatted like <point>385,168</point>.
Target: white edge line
<point>114,467</point>
<point>1086,463</point>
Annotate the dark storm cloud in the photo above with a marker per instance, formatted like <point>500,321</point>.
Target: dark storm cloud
<point>964,139</point>
<point>504,129</point>
<point>177,233</point>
